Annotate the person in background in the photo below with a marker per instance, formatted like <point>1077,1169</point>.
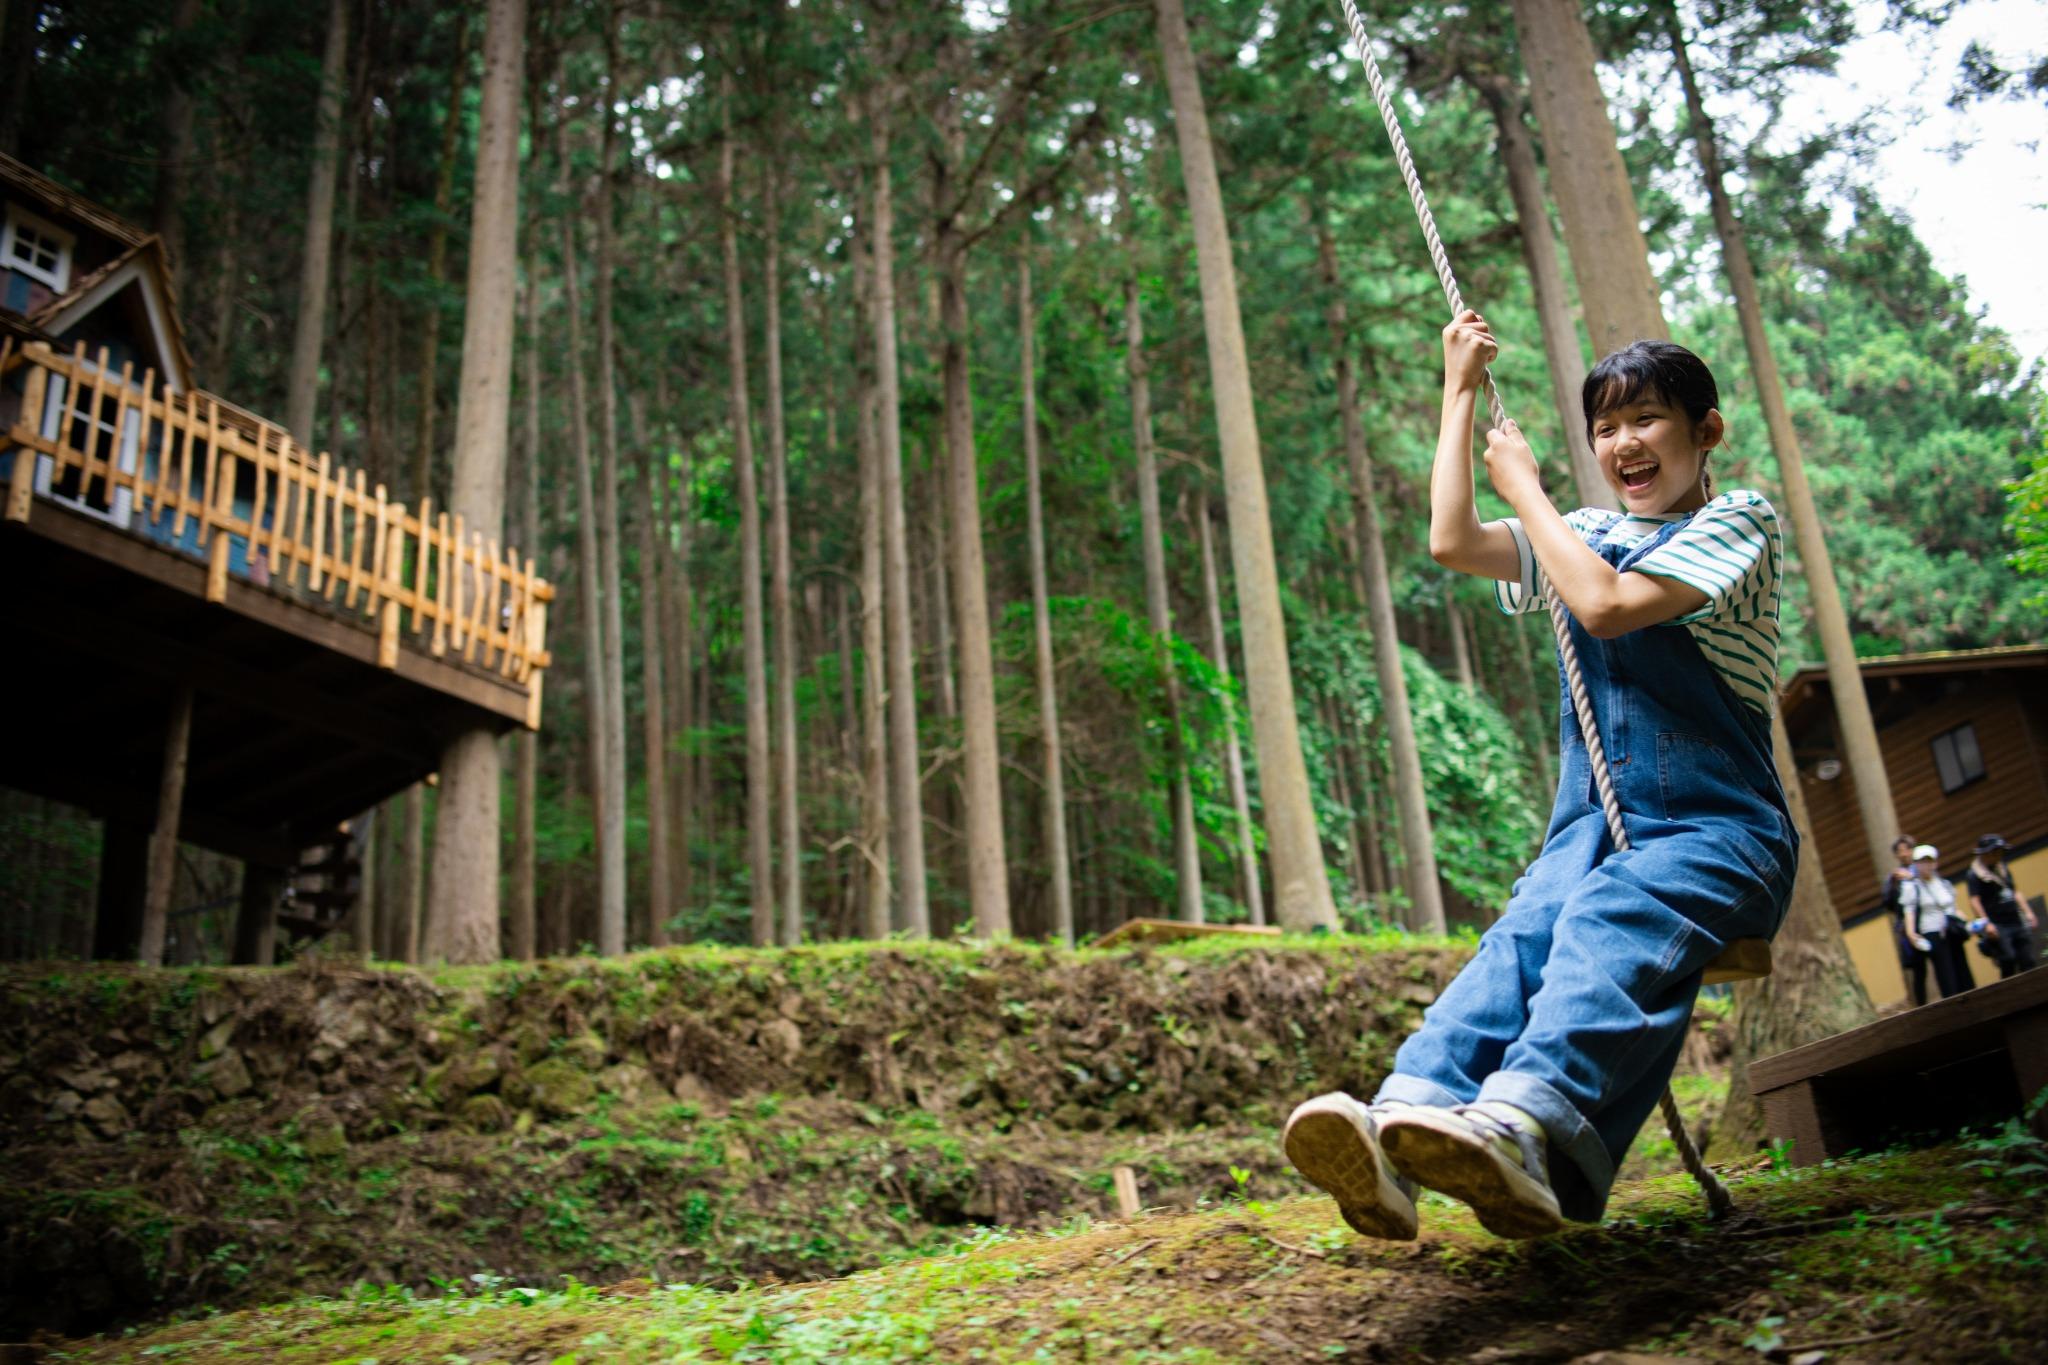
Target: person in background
<point>1912,962</point>
<point>1927,912</point>
<point>2010,923</point>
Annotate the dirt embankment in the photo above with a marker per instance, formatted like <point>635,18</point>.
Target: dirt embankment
<point>223,1137</point>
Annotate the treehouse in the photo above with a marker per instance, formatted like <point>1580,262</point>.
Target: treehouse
<point>214,630</point>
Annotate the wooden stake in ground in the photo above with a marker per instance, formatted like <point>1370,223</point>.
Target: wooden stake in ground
<point>462,899</point>
<point>1060,872</point>
<point>1301,886</point>
<point>1865,760</point>
<point>302,384</point>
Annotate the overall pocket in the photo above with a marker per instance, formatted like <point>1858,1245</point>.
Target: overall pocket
<point>1699,784</point>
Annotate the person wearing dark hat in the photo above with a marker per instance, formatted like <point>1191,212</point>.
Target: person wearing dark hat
<point>1927,913</point>
<point>2009,921</point>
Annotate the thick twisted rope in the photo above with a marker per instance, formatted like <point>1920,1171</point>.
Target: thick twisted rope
<point>1718,1201</point>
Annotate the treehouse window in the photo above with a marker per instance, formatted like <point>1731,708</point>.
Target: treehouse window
<point>38,249</point>
<point>1957,758</point>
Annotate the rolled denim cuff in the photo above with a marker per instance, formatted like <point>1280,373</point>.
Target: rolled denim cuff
<point>1581,1198</point>
<point>1416,1090</point>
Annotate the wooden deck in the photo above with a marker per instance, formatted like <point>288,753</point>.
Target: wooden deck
<point>333,640</point>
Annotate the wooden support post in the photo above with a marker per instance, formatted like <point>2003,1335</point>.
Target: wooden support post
<point>387,635</point>
<point>217,567</point>
<point>163,849</point>
<point>256,916</point>
<point>1126,1192</point>
<point>22,490</point>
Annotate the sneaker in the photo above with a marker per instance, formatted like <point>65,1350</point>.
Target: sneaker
<point>1333,1141</point>
<point>1479,1158</point>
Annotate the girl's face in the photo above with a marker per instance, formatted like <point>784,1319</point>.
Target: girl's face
<point>1653,455</point>
<point>1925,867</point>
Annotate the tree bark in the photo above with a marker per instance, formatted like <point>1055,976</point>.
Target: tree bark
<point>420,484</point>
<point>874,792</point>
<point>302,387</point>
<point>906,801</point>
<point>780,610</point>
<point>1418,847</point>
<point>1187,861</point>
<point>163,839</point>
<point>655,735</point>
<point>611,925</point>
<point>1301,887</point>
<point>611,838</point>
<point>1813,991</point>
<point>168,218</point>
<point>1602,228</point>
<point>256,916</point>
<point>522,914</point>
<point>462,918</point>
<point>988,883</point>
<point>1060,871</point>
<point>1546,277</point>
<point>1219,648</point>
<point>760,855</point>
<point>1864,758</point>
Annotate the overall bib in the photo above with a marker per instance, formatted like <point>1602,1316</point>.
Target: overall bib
<point>1574,1008</point>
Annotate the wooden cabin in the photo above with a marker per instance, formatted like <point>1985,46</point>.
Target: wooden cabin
<point>205,619</point>
<point>1965,742</point>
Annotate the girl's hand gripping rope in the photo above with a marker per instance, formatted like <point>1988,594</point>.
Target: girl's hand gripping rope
<point>1469,348</point>
<point>1511,464</point>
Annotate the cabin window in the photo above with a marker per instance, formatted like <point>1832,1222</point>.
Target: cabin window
<point>1957,758</point>
<point>38,249</point>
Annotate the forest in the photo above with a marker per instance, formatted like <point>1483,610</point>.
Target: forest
<point>864,403</point>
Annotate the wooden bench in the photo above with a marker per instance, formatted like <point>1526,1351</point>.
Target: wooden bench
<point>1972,1058</point>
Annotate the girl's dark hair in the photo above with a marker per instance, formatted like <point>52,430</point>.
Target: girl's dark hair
<point>1661,369</point>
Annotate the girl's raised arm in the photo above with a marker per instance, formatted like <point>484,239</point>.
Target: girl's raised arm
<point>1457,538</point>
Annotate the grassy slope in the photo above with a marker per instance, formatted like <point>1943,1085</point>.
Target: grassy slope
<point>1934,1255</point>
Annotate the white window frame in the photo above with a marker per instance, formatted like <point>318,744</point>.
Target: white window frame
<point>57,279</point>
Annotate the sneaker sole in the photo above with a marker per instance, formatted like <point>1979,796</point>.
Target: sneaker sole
<point>1327,1149</point>
<point>1446,1157</point>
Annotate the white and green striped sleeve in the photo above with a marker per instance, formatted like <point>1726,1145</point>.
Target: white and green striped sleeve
<point>1520,597</point>
<point>1730,550</point>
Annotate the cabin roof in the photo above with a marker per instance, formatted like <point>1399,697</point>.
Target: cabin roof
<point>141,259</point>
<point>1811,681</point>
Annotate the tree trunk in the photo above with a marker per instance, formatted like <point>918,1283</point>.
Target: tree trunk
<point>1418,848</point>
<point>302,388</point>
<point>1060,871</point>
<point>421,483</point>
<point>906,801</point>
<point>1602,229</point>
<point>163,839</point>
<point>780,610</point>
<point>1219,649</point>
<point>988,879</point>
<point>1301,887</point>
<point>659,878</point>
<point>760,855</point>
<point>1461,645</point>
<point>1546,276</point>
<point>1864,759</point>
<point>522,914</point>
<point>1187,861</point>
<point>611,924</point>
<point>874,790</point>
<point>611,888</point>
<point>1813,991</point>
<point>462,918</point>
<point>168,219</point>
<point>680,663</point>
<point>415,903</point>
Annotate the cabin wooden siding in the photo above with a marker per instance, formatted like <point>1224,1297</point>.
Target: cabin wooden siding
<point>2011,718</point>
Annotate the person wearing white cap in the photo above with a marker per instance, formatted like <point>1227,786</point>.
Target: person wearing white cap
<point>1927,913</point>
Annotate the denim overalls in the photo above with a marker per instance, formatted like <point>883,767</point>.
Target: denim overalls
<point>1575,1007</point>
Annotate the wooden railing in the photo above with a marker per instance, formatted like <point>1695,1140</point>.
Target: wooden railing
<point>211,480</point>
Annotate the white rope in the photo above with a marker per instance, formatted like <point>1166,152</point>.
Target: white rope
<point>1560,618</point>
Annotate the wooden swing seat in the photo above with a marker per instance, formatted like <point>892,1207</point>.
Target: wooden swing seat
<point>1746,959</point>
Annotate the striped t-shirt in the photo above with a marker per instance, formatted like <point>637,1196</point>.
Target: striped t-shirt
<point>1731,550</point>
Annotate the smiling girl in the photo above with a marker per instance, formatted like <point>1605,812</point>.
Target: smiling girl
<point>1533,1070</point>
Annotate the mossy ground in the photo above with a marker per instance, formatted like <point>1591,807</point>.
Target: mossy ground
<point>1931,1255</point>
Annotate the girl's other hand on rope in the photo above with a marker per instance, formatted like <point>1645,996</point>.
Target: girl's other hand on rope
<point>1469,348</point>
<point>1511,464</point>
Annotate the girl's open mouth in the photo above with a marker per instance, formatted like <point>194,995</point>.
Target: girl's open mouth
<point>1638,475</point>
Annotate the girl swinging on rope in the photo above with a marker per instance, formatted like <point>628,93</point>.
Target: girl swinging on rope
<point>1532,1072</point>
